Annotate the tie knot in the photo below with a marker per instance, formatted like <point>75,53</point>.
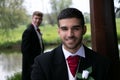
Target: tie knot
<point>73,58</point>
<point>38,30</point>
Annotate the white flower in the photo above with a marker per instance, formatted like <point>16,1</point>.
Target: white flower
<point>85,74</point>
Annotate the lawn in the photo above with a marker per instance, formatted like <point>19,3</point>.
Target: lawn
<point>50,34</point>
<point>118,27</point>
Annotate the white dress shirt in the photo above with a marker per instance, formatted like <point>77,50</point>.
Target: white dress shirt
<point>80,52</point>
<point>39,36</point>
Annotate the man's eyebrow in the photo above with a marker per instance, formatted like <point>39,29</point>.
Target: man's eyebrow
<point>77,26</point>
<point>63,26</point>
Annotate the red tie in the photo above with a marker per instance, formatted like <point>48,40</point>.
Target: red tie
<point>39,31</point>
<point>73,63</point>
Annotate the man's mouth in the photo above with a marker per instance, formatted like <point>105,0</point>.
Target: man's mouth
<point>70,40</point>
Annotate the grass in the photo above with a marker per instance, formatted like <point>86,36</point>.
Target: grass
<point>50,34</point>
<point>11,36</point>
<point>118,27</point>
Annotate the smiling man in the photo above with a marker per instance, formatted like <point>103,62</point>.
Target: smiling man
<point>32,44</point>
<point>71,33</point>
<point>72,56</point>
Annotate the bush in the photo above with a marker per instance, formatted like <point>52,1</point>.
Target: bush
<point>16,76</point>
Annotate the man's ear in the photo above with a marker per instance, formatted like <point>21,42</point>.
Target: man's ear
<point>84,29</point>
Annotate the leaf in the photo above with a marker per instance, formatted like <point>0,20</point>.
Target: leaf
<point>90,78</point>
<point>79,75</point>
<point>89,69</point>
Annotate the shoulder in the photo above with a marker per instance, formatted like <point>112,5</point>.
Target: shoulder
<point>44,59</point>
<point>29,29</point>
<point>96,57</point>
<point>50,55</point>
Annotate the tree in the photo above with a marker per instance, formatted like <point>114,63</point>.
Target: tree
<point>12,13</point>
<point>57,6</point>
<point>117,9</point>
<point>87,17</point>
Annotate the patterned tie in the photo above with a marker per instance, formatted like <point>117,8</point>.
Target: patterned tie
<point>73,63</point>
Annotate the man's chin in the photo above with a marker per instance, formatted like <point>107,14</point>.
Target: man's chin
<point>70,46</point>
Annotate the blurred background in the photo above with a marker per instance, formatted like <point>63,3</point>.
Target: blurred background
<point>15,15</point>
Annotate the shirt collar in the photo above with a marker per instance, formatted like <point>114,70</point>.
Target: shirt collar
<point>35,27</point>
<point>80,52</point>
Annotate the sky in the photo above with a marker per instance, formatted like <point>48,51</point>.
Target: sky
<point>44,5</point>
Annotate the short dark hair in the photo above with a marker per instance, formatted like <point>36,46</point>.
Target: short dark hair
<point>71,13</point>
<point>37,13</point>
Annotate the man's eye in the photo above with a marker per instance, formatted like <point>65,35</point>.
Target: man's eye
<point>63,28</point>
<point>76,28</point>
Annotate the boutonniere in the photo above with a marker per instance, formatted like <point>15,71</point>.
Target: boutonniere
<point>85,74</point>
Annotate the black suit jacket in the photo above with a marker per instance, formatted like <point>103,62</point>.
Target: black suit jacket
<point>30,48</point>
<point>52,65</point>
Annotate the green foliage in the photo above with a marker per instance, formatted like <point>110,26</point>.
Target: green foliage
<point>117,8</point>
<point>50,35</point>
<point>57,6</point>
<point>118,29</point>
<point>13,35</point>
<point>82,75</point>
<point>87,17</point>
<point>16,76</point>
<point>12,13</point>
<point>118,26</point>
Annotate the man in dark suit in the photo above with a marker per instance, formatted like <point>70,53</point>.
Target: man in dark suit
<point>32,44</point>
<point>56,64</point>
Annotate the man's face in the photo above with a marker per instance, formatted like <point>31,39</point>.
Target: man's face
<point>36,20</point>
<point>71,32</point>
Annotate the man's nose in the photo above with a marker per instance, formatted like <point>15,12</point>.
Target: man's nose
<point>70,32</point>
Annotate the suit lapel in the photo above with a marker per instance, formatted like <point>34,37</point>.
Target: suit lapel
<point>35,37</point>
<point>84,62</point>
<point>59,65</point>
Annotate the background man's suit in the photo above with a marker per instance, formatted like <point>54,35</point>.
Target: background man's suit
<point>30,49</point>
<point>52,65</point>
